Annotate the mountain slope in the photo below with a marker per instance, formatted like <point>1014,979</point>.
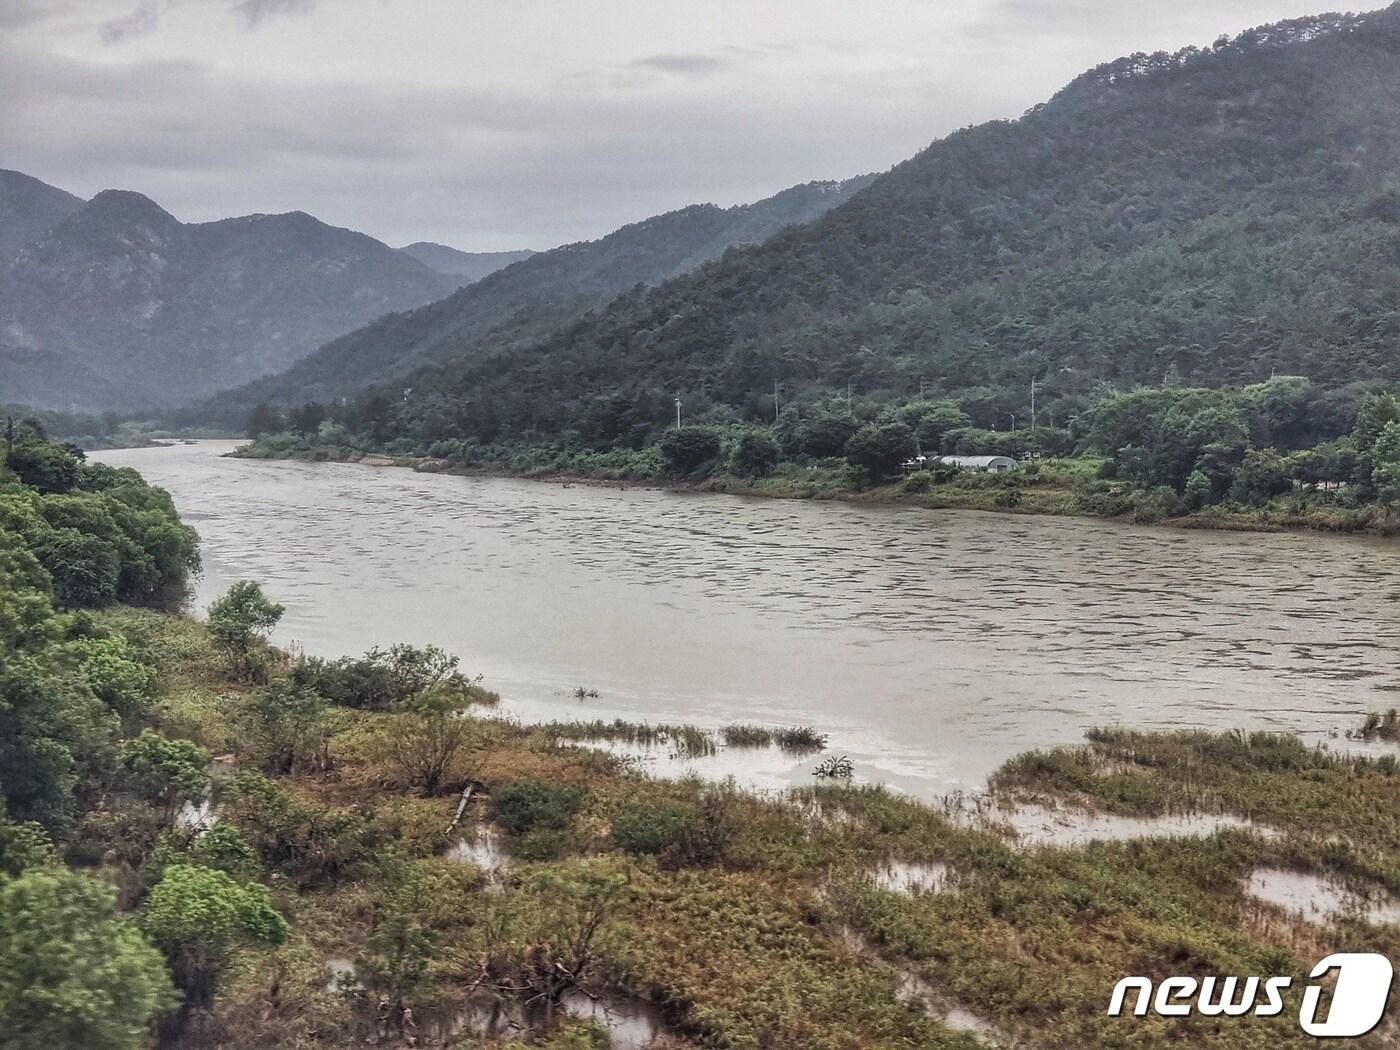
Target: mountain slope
<point>520,304</point>
<point>28,209</point>
<point>178,310</point>
<point>1213,215</point>
<point>470,266</point>
<point>45,380</point>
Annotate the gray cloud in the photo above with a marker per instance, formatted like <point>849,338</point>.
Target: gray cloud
<point>683,64</point>
<point>140,20</point>
<point>537,137</point>
<point>16,13</point>
<point>257,10</point>
<point>145,17</point>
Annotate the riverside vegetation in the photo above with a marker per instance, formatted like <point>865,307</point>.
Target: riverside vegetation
<point>1142,251</point>
<point>1283,453</point>
<point>207,842</point>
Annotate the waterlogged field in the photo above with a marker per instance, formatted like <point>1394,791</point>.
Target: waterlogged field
<point>593,874</point>
<point>547,893</point>
<point>927,646</point>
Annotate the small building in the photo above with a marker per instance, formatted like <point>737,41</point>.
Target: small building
<point>991,464</point>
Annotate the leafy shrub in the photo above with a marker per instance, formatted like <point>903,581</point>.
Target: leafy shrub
<point>384,677</point>
<point>653,826</point>
<point>1155,505</point>
<point>878,451</point>
<point>756,455</point>
<point>523,805</point>
<point>687,449</point>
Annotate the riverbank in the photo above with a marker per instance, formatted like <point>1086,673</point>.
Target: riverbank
<point>377,857</point>
<point>836,915</point>
<point>1051,490</point>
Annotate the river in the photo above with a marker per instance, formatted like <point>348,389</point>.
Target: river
<point>928,645</point>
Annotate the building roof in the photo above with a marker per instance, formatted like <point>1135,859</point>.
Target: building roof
<point>977,462</point>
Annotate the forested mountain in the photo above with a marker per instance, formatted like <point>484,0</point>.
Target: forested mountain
<point>521,304</point>
<point>1209,217</point>
<point>45,380</point>
<point>28,209</point>
<point>470,266</point>
<point>166,311</point>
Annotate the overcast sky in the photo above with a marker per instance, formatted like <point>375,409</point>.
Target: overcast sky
<point>494,124</point>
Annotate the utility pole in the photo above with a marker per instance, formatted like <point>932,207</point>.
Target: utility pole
<point>922,383</point>
<point>1013,421</point>
<point>1032,407</point>
<point>678,413</point>
<point>775,402</point>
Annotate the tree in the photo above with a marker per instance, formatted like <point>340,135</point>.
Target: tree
<point>45,467</point>
<point>114,674</point>
<point>264,419</point>
<point>165,772</point>
<point>821,434</point>
<point>54,736</point>
<point>542,937</point>
<point>85,568</point>
<point>687,449</point>
<point>199,917</point>
<point>383,677</point>
<point>879,450</point>
<point>1197,490</point>
<point>1263,475</point>
<point>756,455</point>
<point>425,739</point>
<point>23,845</point>
<point>73,976</point>
<point>239,623</point>
<point>396,962</point>
<point>1385,470</point>
<point>285,729</point>
<point>930,421</point>
<point>308,418</point>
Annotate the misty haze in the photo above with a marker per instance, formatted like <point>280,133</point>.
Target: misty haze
<point>616,526</point>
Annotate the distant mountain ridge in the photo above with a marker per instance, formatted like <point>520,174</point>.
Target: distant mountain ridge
<point>529,300</point>
<point>28,208</point>
<point>470,266</point>
<point>1207,217</point>
<point>167,311</point>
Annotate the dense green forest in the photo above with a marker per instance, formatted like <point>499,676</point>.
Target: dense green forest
<point>1285,451</point>
<point>524,303</point>
<point>207,842</point>
<point>1203,219</point>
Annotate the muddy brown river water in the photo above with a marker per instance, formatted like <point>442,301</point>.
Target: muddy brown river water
<point>928,645</point>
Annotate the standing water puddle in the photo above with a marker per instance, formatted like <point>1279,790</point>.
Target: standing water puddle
<point>1316,899</point>
<point>342,971</point>
<point>631,1024</point>
<point>758,769</point>
<point>483,850</point>
<point>1037,825</point>
<point>913,989</point>
<point>913,877</point>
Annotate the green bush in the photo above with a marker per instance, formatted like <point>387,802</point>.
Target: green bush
<point>1155,505</point>
<point>652,825</point>
<point>756,455</point>
<point>526,804</point>
<point>687,449</point>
